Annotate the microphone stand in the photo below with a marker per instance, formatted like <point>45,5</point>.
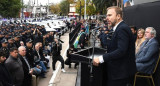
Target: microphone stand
<point>91,63</point>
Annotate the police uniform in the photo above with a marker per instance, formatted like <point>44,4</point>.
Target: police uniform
<point>11,45</point>
<point>5,48</point>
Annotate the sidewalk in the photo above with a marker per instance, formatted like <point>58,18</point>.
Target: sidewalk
<point>69,77</point>
<point>62,79</point>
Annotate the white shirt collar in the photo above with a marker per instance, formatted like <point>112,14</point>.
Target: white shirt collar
<point>114,28</point>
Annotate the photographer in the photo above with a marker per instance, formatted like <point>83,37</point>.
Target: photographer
<point>37,36</point>
<point>57,47</point>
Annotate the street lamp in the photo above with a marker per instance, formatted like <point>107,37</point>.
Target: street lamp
<point>85,10</point>
<point>22,11</point>
<point>48,9</point>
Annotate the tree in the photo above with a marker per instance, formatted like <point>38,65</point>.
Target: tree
<point>55,8</point>
<point>10,8</point>
<point>101,5</point>
<point>90,8</point>
<point>64,6</point>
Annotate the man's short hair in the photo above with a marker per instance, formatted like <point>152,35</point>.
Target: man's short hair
<point>13,49</point>
<point>118,10</point>
<point>21,47</point>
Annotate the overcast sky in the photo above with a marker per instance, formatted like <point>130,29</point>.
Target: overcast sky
<point>43,2</point>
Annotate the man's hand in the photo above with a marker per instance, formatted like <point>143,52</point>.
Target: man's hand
<point>31,71</point>
<point>96,61</point>
<point>38,66</point>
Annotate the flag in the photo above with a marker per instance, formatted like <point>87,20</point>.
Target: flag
<point>77,40</point>
<point>87,30</point>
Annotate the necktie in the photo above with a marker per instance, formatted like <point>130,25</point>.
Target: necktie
<point>146,43</point>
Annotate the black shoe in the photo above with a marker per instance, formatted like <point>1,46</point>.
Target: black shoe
<point>69,66</point>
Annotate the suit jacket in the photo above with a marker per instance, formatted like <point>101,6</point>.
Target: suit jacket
<point>14,66</point>
<point>30,56</point>
<point>5,77</point>
<point>120,59</point>
<point>147,56</point>
<point>56,49</point>
<point>27,76</point>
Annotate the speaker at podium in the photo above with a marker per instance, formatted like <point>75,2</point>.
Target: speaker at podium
<point>84,76</point>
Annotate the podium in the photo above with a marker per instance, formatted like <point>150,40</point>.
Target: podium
<point>84,57</point>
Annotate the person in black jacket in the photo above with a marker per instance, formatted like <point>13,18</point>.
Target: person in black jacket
<point>68,60</point>
<point>14,66</point>
<point>57,47</point>
<point>5,77</point>
<point>4,47</point>
<point>30,53</point>
<point>11,43</point>
<point>28,71</point>
<point>17,40</point>
<point>82,38</point>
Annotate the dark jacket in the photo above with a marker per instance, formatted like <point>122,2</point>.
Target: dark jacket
<point>120,59</point>
<point>56,49</point>
<point>15,68</point>
<point>82,39</point>
<point>27,77</point>
<point>5,77</point>
<point>30,56</point>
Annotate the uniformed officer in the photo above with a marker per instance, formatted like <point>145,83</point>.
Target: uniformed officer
<point>30,53</point>
<point>11,43</point>
<point>17,40</point>
<point>4,47</point>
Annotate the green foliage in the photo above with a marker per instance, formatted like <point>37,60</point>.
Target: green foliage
<point>91,10</point>
<point>90,7</point>
<point>55,8</point>
<point>101,5</point>
<point>10,8</point>
<point>64,6</point>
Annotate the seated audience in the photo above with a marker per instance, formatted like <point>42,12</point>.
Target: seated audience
<point>140,39</point>
<point>146,57</point>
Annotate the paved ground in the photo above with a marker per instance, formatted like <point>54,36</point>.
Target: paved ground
<point>62,79</point>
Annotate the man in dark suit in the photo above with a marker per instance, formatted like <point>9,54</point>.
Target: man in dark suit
<point>26,66</point>
<point>5,77</point>
<point>120,59</point>
<point>148,54</point>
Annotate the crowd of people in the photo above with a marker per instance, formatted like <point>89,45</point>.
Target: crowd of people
<point>26,50</point>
